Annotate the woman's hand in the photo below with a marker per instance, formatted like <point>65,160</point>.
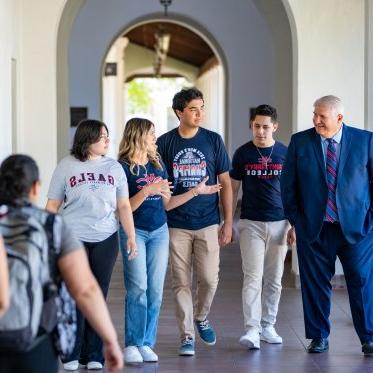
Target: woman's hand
<point>161,188</point>
<point>131,248</point>
<point>202,188</point>
<point>113,356</point>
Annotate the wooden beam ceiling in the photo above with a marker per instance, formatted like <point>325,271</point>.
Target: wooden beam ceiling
<point>185,45</point>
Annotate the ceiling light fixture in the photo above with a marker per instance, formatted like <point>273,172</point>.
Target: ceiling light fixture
<point>166,4</point>
<point>161,46</point>
<point>162,42</point>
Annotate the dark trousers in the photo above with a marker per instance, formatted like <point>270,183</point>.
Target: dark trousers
<point>41,359</point>
<point>317,267</point>
<point>101,256</point>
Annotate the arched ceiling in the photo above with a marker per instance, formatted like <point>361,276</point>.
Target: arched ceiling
<point>185,45</point>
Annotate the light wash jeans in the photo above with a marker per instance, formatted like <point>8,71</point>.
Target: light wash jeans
<point>143,278</point>
<point>263,250</point>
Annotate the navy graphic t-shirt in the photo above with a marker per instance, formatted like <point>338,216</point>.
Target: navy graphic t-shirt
<point>187,162</point>
<point>150,215</point>
<point>260,176</point>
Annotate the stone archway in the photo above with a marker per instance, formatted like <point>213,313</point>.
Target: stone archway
<point>284,80</point>
<point>113,109</point>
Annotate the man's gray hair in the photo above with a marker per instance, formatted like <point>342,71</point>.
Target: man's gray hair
<point>333,102</point>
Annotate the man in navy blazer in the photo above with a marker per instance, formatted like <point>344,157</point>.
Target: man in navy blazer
<point>326,188</point>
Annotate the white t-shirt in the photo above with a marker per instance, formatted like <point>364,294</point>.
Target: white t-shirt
<point>89,191</point>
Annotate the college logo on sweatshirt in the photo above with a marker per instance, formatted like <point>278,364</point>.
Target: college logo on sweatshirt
<point>91,178</point>
<point>148,179</point>
<point>189,167</point>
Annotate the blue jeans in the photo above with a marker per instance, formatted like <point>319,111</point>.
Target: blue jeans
<point>143,278</point>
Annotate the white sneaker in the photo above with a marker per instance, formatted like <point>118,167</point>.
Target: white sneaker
<point>94,365</point>
<point>251,340</point>
<point>270,335</point>
<point>148,355</point>
<point>132,355</point>
<point>71,365</point>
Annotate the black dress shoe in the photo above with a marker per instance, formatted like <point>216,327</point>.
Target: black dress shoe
<point>318,345</point>
<point>367,348</point>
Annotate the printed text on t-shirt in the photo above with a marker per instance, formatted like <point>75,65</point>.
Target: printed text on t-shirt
<point>189,167</point>
<point>91,177</point>
<point>263,171</point>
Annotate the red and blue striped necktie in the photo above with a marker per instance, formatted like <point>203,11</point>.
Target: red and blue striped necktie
<point>331,214</point>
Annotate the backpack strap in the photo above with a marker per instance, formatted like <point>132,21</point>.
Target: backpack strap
<point>52,253</point>
<point>50,291</point>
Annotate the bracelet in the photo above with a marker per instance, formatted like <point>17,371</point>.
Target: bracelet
<point>194,192</point>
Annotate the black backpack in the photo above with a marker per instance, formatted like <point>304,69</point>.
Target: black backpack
<point>39,300</point>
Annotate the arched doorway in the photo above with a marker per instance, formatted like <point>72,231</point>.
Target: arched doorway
<point>273,73</point>
<point>138,81</point>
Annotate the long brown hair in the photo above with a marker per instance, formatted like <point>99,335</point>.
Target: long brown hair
<point>132,145</point>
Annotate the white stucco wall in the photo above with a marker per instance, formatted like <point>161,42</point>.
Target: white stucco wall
<point>37,77</point>
<point>8,46</point>
<point>211,83</point>
<point>28,34</point>
<point>330,56</point>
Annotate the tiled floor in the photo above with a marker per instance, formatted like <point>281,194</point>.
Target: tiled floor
<point>227,355</point>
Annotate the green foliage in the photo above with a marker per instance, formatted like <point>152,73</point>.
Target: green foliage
<point>139,99</point>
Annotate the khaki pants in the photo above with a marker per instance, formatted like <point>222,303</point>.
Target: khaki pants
<point>198,250</point>
<point>263,250</point>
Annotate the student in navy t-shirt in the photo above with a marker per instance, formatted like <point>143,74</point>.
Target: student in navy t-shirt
<point>190,154</point>
<point>263,227</point>
<point>150,194</point>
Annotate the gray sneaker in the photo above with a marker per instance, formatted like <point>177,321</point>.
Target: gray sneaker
<point>187,347</point>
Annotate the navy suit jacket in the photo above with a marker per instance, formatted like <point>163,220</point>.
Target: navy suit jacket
<point>304,190</point>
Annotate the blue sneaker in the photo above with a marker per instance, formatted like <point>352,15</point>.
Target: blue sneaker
<point>187,347</point>
<point>206,332</point>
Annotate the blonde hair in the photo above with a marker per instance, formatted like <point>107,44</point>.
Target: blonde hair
<point>132,145</point>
